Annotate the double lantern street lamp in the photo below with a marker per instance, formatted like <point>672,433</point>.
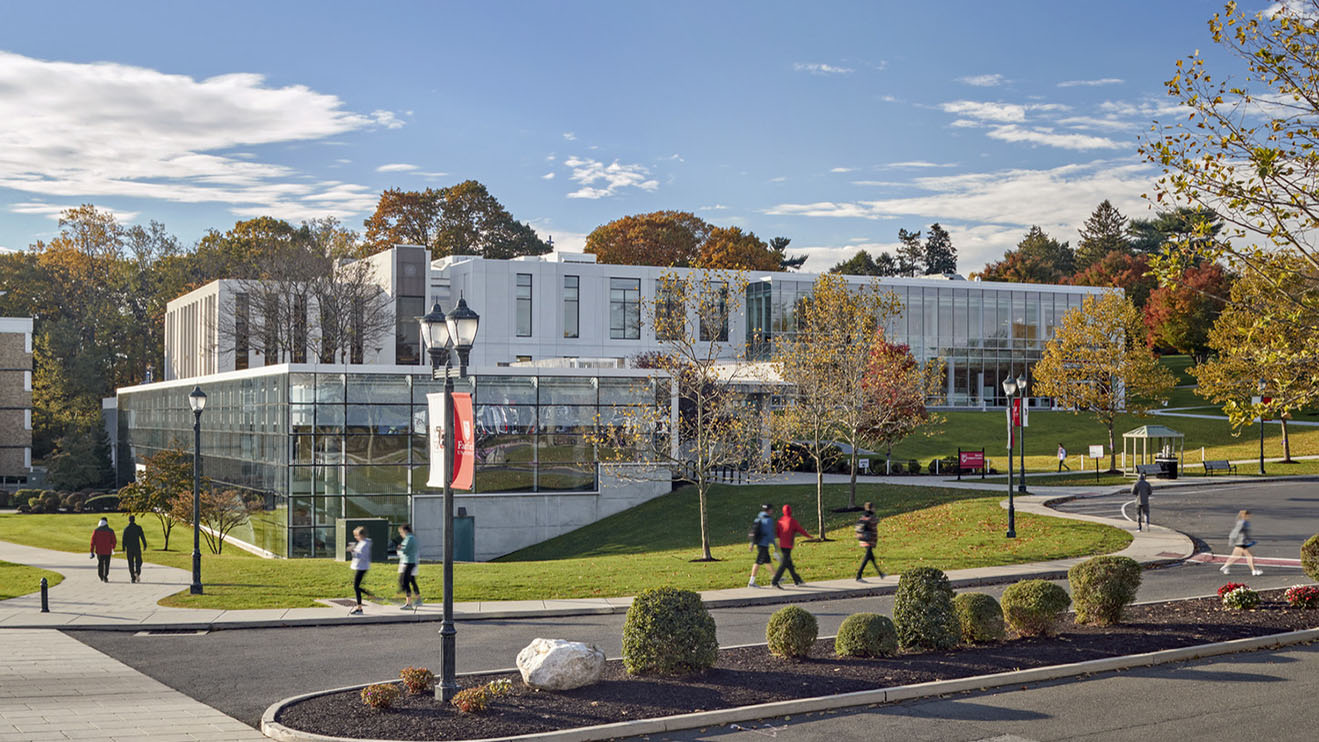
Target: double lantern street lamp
<point>1013,387</point>
<point>446,335</point>
<point>197,401</point>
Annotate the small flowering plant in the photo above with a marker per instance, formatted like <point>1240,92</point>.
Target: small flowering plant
<point>380,695</point>
<point>1229,587</point>
<point>475,700</point>
<point>1302,596</point>
<point>1241,599</point>
<point>417,679</point>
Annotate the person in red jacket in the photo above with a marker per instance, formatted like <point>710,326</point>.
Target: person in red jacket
<point>103,545</point>
<point>787,529</point>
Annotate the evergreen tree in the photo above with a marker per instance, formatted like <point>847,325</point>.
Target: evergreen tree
<point>940,254</point>
<point>1104,232</point>
<point>862,264</point>
<point>786,262</point>
<point>911,253</point>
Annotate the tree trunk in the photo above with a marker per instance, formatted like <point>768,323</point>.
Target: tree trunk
<point>705,530</point>
<point>851,485</point>
<point>1112,450</point>
<point>1286,442</point>
<point>819,498</point>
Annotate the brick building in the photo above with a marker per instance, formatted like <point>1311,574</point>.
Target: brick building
<point>15,401</point>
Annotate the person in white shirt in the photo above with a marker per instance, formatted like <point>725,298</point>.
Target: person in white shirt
<point>361,552</point>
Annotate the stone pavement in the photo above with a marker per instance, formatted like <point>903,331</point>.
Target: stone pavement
<point>53,687</point>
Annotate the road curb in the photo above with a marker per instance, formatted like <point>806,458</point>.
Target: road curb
<point>277,731</point>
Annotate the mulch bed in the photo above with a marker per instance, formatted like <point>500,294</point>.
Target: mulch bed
<point>752,675</point>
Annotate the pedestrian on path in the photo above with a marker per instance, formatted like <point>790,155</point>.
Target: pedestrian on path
<point>408,562</point>
<point>1141,491</point>
<point>787,529</point>
<point>1242,542</point>
<point>135,542</point>
<point>867,534</point>
<point>103,545</point>
<point>361,552</point>
<point>762,540</point>
<point>1062,458</point>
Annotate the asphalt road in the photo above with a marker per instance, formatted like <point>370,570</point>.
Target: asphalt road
<point>247,670</point>
<point>1257,695</point>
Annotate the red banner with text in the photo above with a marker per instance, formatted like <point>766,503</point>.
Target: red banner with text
<point>464,444</point>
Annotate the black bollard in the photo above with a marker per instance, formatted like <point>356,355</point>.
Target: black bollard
<point>45,601</point>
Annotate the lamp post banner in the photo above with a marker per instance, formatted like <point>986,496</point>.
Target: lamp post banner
<point>435,434</point>
<point>464,444</point>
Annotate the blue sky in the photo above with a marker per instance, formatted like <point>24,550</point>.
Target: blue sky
<point>834,124</point>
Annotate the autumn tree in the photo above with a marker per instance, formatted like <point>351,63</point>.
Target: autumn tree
<point>1098,363</point>
<point>721,429</point>
<point>219,511</point>
<point>462,219</point>
<point>1241,146</point>
<point>1180,316</point>
<point>1104,233</point>
<point>895,391</point>
<point>729,248</point>
<point>166,475</point>
<point>1127,271</point>
<point>1262,350</point>
<point>824,363</point>
<point>862,264</point>
<point>662,238</point>
<point>1038,258</point>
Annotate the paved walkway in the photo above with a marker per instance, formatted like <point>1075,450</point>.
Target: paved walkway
<point>82,601</point>
<point>54,687</point>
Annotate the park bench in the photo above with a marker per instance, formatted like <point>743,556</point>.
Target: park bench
<point>1149,470</point>
<point>1221,465</point>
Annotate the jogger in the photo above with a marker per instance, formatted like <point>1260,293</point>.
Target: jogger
<point>787,529</point>
<point>407,567</point>
<point>867,534</point>
<point>135,542</point>
<point>361,563</point>
<point>1241,542</point>
<point>103,545</point>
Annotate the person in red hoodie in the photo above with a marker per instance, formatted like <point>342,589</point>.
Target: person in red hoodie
<point>787,529</point>
<point>103,545</point>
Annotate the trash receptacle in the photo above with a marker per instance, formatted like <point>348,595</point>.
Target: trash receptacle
<point>377,529</point>
<point>1167,467</point>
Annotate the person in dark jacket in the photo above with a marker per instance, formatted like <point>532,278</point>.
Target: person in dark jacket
<point>787,529</point>
<point>764,541</point>
<point>867,534</point>
<point>103,545</point>
<point>1141,491</point>
<point>135,542</point>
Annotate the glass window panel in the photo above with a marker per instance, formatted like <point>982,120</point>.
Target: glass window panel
<point>504,478</point>
<point>302,388</point>
<point>378,389</point>
<point>506,390</point>
<point>375,480</point>
<point>915,315</point>
<point>945,316</point>
<point>327,509</point>
<point>629,391</point>
<point>323,542</point>
<point>329,417</point>
<point>300,479</point>
<point>505,419</point>
<point>381,419</point>
<point>566,478</point>
<point>329,387</point>
<point>302,449</point>
<point>522,299</point>
<point>625,308</point>
<point>393,507</point>
<point>571,306</point>
<point>564,448</point>
<point>300,541</point>
<point>567,390</point>
<point>328,449</point>
<point>376,449</point>
<point>300,511</point>
<point>567,419</point>
<point>505,449</point>
<point>328,480</point>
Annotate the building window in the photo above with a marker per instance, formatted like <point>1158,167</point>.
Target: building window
<point>298,343</point>
<point>571,307</point>
<point>714,317</point>
<point>625,308</point>
<point>523,299</point>
<point>242,317</point>
<point>270,330</point>
<point>670,310</point>
<point>407,335</point>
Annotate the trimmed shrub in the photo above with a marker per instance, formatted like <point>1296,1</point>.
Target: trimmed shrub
<point>1310,557</point>
<point>1302,596</point>
<point>866,635</point>
<point>1241,599</point>
<point>476,700</point>
<point>1102,586</point>
<point>791,632</point>
<point>913,467</point>
<point>1035,607</point>
<point>102,504</point>
<point>380,695</point>
<point>26,496</point>
<point>980,617</point>
<point>668,632</point>
<point>50,503</point>
<point>923,610</point>
<point>417,679</point>
<point>4,499</point>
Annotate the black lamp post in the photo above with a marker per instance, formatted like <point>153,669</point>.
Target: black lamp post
<point>1261,427</point>
<point>443,334</point>
<point>1021,429</point>
<point>1010,389</point>
<point>197,401</point>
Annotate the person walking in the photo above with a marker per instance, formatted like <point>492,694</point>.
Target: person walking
<point>867,534</point>
<point>1062,458</point>
<point>1241,542</point>
<point>787,529</point>
<point>408,562</point>
<point>361,552</point>
<point>762,540</point>
<point>135,542</point>
<point>1141,491</point>
<point>103,545</point>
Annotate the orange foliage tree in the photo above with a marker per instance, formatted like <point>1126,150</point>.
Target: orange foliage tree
<point>663,238</point>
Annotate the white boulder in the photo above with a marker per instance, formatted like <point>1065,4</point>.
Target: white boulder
<point>557,664</point>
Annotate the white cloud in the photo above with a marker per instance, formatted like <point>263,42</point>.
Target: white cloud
<point>983,81</point>
<point>1092,122</point>
<point>895,183</point>
<point>920,164</point>
<point>1091,83</point>
<point>986,110</point>
<point>675,157</point>
<point>564,241</point>
<point>779,179</point>
<point>888,98</point>
<point>75,130</point>
<point>842,170</point>
<point>54,211</point>
<point>612,177</point>
<point>570,136</point>
<point>819,68</point>
<point>713,207</point>
<point>547,176</point>
<point>1047,137</point>
<point>993,209</point>
<point>396,167</point>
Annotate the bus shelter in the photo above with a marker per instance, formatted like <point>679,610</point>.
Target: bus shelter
<point>1151,445</point>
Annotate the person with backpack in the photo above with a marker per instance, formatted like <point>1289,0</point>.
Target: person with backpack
<point>787,529</point>
<point>135,542</point>
<point>761,537</point>
<point>867,535</point>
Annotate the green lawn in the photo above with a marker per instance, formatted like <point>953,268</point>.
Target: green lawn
<point>20,579</point>
<point>648,546</point>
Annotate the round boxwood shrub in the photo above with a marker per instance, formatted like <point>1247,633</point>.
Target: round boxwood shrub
<point>1102,587</point>
<point>668,632</point>
<point>923,610</point>
<point>791,632</point>
<point>1034,607</point>
<point>980,617</point>
<point>866,635</point>
<point>1310,557</point>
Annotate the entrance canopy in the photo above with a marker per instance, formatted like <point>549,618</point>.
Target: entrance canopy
<point>1149,443</point>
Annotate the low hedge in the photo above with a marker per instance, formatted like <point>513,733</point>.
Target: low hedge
<point>866,635</point>
<point>791,632</point>
<point>980,617</point>
<point>1035,607</point>
<point>1102,586</point>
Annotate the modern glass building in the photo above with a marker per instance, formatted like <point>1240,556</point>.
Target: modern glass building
<point>320,444</point>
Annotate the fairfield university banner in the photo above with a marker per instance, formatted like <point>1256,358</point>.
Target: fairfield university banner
<point>464,453</point>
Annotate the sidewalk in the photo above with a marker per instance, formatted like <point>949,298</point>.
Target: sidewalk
<point>82,601</point>
<point>54,687</point>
